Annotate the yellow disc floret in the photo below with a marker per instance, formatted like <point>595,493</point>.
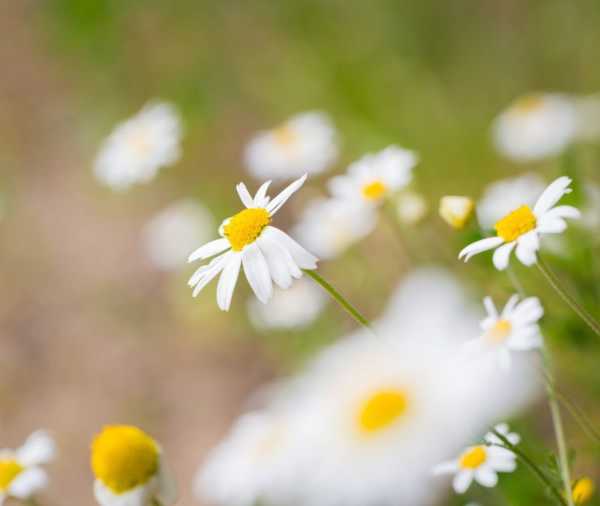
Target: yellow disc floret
<point>473,457</point>
<point>527,104</point>
<point>284,136</point>
<point>375,190</point>
<point>9,470</point>
<point>124,457</point>
<point>515,224</point>
<point>381,410</point>
<point>245,227</point>
<point>499,332</point>
<point>583,490</point>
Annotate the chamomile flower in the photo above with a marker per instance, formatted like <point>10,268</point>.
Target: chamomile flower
<point>129,469</point>
<point>304,144</point>
<point>248,240</point>
<point>21,476</point>
<point>140,146</point>
<point>330,226</point>
<point>481,463</point>
<point>583,490</point>
<point>523,227</point>
<point>375,177</point>
<point>536,126</point>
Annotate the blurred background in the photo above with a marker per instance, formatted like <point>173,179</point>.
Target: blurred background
<point>92,332</point>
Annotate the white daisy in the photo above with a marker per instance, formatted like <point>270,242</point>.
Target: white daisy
<point>481,463</point>
<point>249,241</point>
<point>306,143</point>
<point>536,126</point>
<point>129,469</point>
<point>137,148</point>
<point>21,476</point>
<point>330,226</point>
<point>523,227</point>
<point>172,234</point>
<point>411,207</point>
<point>295,307</point>
<point>501,197</point>
<point>375,176</point>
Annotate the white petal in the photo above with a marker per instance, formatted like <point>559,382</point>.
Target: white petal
<point>462,481</point>
<point>502,255</point>
<point>279,260</point>
<point>551,225</point>
<point>278,201</point>
<point>209,274</point>
<point>210,249</point>
<point>257,272</point>
<point>166,486</point>
<point>490,308</point>
<point>486,476</point>
<point>244,194</point>
<point>529,311</point>
<point>139,496</point>
<point>39,448</point>
<point>527,247</point>
<point>552,195</point>
<point>28,482</point>
<point>504,360</point>
<point>563,212</point>
<point>497,453</point>
<point>510,306</point>
<point>480,246</point>
<point>228,280</point>
<point>504,465</point>
<point>261,199</point>
<point>303,258</point>
<point>446,468</point>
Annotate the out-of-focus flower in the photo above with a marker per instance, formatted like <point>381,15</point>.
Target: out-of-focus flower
<point>481,463</point>
<point>296,307</point>
<point>375,177</point>
<point>501,197</point>
<point>249,241</point>
<point>172,234</point>
<point>304,144</point>
<point>583,490</point>
<point>411,207</point>
<point>523,227</point>
<point>588,117</point>
<point>329,226</point>
<point>129,469</point>
<point>140,146</point>
<point>456,210</point>
<point>536,126</point>
<point>21,476</point>
<point>504,430</point>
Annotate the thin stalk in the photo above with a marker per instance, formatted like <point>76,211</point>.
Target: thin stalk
<point>571,302</point>
<point>579,416</point>
<point>337,296</point>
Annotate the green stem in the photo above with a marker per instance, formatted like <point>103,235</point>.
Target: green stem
<point>580,417</point>
<point>571,302</point>
<point>337,296</point>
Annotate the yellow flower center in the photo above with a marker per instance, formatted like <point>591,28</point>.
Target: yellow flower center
<point>284,136</point>
<point>583,490</point>
<point>124,457</point>
<point>9,470</point>
<point>499,332</point>
<point>515,224</point>
<point>139,141</point>
<point>375,190</point>
<point>527,104</point>
<point>381,409</point>
<point>473,458</point>
<point>245,227</point>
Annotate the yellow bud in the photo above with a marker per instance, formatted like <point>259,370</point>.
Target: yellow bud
<point>456,211</point>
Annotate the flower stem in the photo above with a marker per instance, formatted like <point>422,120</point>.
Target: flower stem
<point>571,302</point>
<point>338,297</point>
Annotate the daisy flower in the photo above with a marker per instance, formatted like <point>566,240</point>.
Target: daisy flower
<point>21,476</point>
<point>523,227</point>
<point>481,463</point>
<point>249,241</point>
<point>583,490</point>
<point>536,126</point>
<point>306,143</point>
<point>375,176</point>
<point>137,148</point>
<point>456,210</point>
<point>129,469</point>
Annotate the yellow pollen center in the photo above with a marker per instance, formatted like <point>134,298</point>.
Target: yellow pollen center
<point>583,490</point>
<point>284,136</point>
<point>245,227</point>
<point>381,410</point>
<point>124,457</point>
<point>516,223</point>
<point>527,104</point>
<point>9,470</point>
<point>374,190</point>
<point>473,458</point>
<point>499,332</point>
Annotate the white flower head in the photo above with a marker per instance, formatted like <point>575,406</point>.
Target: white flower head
<point>411,207</point>
<point>173,232</point>
<point>21,474</point>
<point>514,329</point>
<point>483,462</point>
<point>249,241</point>
<point>129,469</point>
<point>536,126</point>
<point>140,146</point>
<point>296,307</point>
<point>304,144</point>
<point>375,177</point>
<point>330,226</point>
<point>523,227</point>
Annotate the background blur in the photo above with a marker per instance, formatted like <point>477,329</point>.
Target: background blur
<point>91,333</point>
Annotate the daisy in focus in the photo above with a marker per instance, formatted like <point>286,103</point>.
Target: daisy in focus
<point>304,144</point>
<point>375,177</point>
<point>248,240</point>
<point>481,463</point>
<point>522,228</point>
<point>139,147</point>
<point>129,469</point>
<point>536,126</point>
<point>21,476</point>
